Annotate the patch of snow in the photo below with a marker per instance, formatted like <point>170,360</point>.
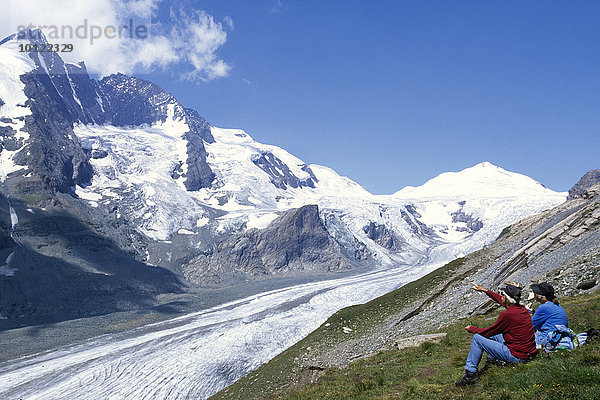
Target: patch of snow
<point>260,221</point>
<point>14,218</point>
<point>233,205</point>
<point>87,194</point>
<point>7,165</point>
<point>254,201</point>
<point>73,89</point>
<point>5,269</point>
<point>202,222</point>
<point>185,232</point>
<point>149,191</point>
<point>14,64</point>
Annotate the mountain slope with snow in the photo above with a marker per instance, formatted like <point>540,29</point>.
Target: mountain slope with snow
<point>481,180</point>
<point>254,183</point>
<point>12,105</point>
<point>180,193</point>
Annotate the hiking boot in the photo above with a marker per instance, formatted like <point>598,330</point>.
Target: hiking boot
<point>469,378</point>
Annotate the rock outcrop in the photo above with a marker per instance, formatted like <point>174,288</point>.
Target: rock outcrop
<point>280,174</point>
<point>383,236</point>
<point>296,242</point>
<point>587,181</point>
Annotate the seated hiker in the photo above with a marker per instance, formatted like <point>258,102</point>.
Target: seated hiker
<point>510,339</point>
<point>549,316</point>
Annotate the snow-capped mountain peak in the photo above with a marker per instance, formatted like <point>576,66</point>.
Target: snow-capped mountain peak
<point>482,180</point>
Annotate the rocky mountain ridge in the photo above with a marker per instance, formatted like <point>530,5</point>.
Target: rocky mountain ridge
<point>296,241</point>
<point>588,180</point>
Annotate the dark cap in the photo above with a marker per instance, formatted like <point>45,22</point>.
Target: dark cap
<point>512,291</point>
<point>545,290</point>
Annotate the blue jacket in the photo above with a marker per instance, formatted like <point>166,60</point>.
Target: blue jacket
<point>547,316</point>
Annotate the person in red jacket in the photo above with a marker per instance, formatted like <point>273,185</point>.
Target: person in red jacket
<point>511,339</point>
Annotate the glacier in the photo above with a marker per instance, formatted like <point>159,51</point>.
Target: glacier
<point>196,355</point>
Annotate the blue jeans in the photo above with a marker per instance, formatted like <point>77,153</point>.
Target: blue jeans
<point>541,338</point>
<point>493,346</point>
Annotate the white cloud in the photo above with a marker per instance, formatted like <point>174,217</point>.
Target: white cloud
<point>229,22</point>
<point>187,40</point>
<point>198,37</point>
<point>141,8</point>
<point>276,7</point>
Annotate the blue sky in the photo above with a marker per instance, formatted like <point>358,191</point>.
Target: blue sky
<point>392,93</point>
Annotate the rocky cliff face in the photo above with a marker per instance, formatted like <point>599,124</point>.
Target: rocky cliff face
<point>63,262</point>
<point>61,94</point>
<point>296,241</point>
<point>52,151</point>
<point>588,180</point>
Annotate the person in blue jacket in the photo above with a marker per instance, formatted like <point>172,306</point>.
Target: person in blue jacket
<point>549,316</point>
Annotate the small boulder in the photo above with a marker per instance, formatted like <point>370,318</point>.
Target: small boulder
<point>586,285</point>
<point>99,154</point>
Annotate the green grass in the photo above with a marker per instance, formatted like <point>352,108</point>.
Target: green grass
<point>429,371</point>
<point>367,315</point>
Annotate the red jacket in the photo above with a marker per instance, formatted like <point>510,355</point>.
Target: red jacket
<point>515,325</point>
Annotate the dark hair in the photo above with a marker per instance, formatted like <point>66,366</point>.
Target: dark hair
<point>555,301</point>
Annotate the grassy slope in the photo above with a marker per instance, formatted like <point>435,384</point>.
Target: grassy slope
<point>389,373</point>
<point>429,371</point>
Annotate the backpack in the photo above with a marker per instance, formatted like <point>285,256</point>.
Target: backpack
<point>561,338</point>
<point>585,337</point>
